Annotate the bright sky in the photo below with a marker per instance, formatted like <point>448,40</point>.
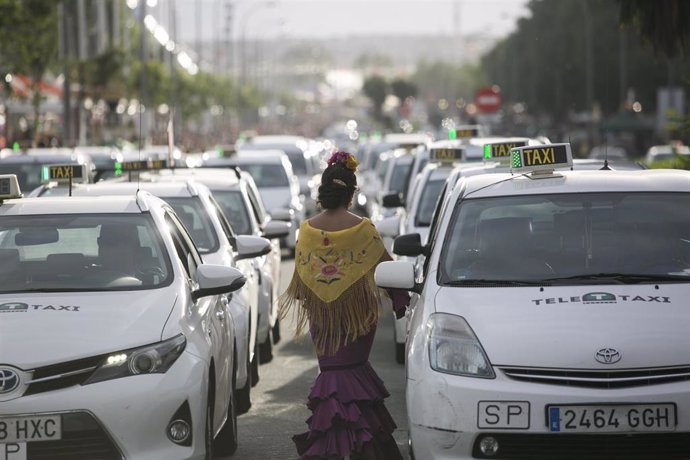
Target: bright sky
<point>341,18</point>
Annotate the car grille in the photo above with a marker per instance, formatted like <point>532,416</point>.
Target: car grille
<point>623,378</point>
<point>62,375</point>
<point>649,446</point>
<point>82,438</point>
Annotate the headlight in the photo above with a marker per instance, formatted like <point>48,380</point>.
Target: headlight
<point>151,359</point>
<point>454,349</point>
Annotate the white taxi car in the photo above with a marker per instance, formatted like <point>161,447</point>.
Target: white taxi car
<point>217,244</point>
<point>552,318</point>
<point>115,338</point>
<point>240,201</point>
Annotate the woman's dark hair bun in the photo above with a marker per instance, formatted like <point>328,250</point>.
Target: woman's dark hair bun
<point>338,185</point>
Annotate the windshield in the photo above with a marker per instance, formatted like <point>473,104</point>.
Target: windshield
<point>235,210</point>
<point>267,175</point>
<point>568,238</point>
<point>191,212</point>
<point>298,162</point>
<point>427,202</point>
<point>399,178</point>
<point>95,252</point>
<point>28,174</point>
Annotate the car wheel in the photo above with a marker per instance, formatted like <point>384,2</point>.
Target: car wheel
<point>208,433</point>
<point>275,331</point>
<point>226,441</point>
<point>400,353</point>
<point>255,365</point>
<point>266,350</point>
<point>243,395</point>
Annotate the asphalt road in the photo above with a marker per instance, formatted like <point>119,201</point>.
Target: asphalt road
<point>278,401</point>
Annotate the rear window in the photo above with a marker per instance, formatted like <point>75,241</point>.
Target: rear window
<point>191,212</point>
<point>234,207</point>
<point>267,175</point>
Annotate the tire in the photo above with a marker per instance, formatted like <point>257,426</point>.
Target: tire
<point>275,332</point>
<point>266,350</point>
<point>226,442</point>
<point>255,365</point>
<point>243,395</point>
<point>208,433</point>
<point>399,353</point>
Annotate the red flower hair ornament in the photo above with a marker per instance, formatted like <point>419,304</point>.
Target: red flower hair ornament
<point>343,158</point>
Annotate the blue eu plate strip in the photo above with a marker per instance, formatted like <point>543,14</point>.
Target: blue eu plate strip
<point>554,419</point>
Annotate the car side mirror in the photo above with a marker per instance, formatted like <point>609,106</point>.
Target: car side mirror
<point>249,247</point>
<point>276,229</point>
<point>408,245</point>
<point>282,214</point>
<point>389,226</point>
<point>398,274</point>
<point>217,279</point>
<point>393,200</point>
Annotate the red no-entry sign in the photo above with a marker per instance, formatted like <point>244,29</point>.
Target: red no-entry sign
<point>488,100</point>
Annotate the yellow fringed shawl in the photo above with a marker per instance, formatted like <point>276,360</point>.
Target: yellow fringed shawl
<point>333,283</point>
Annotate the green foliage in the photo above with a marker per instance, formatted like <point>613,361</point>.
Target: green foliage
<point>369,60</point>
<point>663,23</point>
<point>375,88</point>
<point>544,63</point>
<point>402,89</point>
<point>441,79</point>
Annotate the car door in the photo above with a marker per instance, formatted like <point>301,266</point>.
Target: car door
<point>215,319</point>
<point>248,269</point>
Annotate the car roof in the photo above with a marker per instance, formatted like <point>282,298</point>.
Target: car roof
<point>258,156</point>
<point>182,188</point>
<point>504,184</point>
<point>130,203</point>
<point>212,181</point>
<point>38,158</point>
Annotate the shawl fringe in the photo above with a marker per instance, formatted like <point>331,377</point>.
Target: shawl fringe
<point>336,323</point>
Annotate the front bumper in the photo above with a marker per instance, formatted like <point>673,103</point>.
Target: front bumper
<point>444,419</point>
<point>122,418</point>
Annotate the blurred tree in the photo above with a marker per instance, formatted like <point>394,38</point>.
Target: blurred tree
<point>402,89</point>
<point>375,88</point>
<point>663,23</point>
<point>28,43</point>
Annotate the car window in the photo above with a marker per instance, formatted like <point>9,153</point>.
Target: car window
<point>399,175</point>
<point>267,174</point>
<point>184,246</point>
<point>228,229</point>
<point>94,252</point>
<point>28,174</point>
<point>234,208</point>
<point>427,202</point>
<point>541,237</point>
<point>192,214</point>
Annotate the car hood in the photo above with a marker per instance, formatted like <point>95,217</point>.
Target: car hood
<point>565,327</point>
<point>276,197</point>
<point>46,328</point>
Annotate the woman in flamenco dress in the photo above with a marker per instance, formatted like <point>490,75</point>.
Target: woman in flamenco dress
<point>334,296</point>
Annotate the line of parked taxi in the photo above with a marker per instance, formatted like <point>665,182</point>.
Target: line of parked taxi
<point>549,317</point>
<point>134,311</point>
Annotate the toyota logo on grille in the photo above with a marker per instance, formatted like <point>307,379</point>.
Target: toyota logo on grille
<point>9,380</point>
<point>607,355</point>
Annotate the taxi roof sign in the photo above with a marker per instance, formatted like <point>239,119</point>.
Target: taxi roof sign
<point>139,165</point>
<point>64,173</point>
<point>446,154</point>
<point>501,151</point>
<point>541,158</point>
<point>9,187</point>
<point>465,131</point>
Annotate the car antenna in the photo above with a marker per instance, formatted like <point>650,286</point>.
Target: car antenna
<point>571,166</point>
<point>141,109</point>
<point>606,154</point>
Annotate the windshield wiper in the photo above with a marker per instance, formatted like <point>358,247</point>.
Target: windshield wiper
<point>622,278</point>
<point>488,282</point>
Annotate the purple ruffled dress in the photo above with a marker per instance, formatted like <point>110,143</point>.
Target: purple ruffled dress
<point>346,400</point>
